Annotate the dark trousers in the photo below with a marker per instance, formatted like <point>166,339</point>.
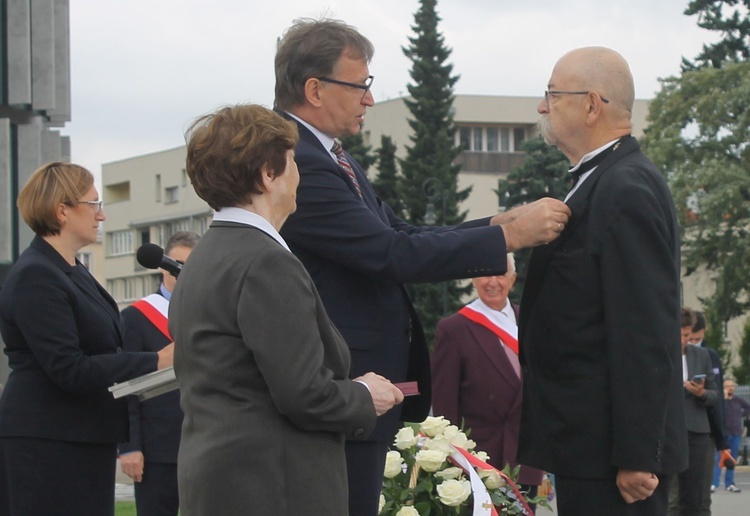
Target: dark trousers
<point>157,495</point>
<point>56,478</point>
<point>365,463</point>
<point>578,497</point>
<point>688,498</point>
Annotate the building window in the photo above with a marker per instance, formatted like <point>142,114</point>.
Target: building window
<point>477,139</point>
<point>504,139</point>
<point>465,137</point>
<point>519,135</point>
<point>492,139</point>
<point>120,242</point>
<point>171,194</point>
<point>157,179</point>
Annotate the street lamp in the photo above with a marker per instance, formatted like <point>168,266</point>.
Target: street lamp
<point>435,191</point>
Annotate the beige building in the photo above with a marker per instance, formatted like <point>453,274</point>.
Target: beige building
<point>149,197</point>
<point>146,198</point>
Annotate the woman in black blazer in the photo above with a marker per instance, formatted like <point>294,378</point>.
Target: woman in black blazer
<point>59,425</point>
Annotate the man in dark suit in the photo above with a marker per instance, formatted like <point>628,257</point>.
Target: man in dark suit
<point>476,375</point>
<point>150,458</point>
<point>358,252</point>
<point>600,314</point>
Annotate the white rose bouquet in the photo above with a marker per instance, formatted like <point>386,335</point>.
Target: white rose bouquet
<point>436,472</point>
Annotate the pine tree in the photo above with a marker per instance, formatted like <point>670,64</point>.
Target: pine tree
<point>729,18</point>
<point>386,185</point>
<point>542,174</point>
<point>429,173</point>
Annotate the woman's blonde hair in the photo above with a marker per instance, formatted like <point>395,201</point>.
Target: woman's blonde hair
<point>49,186</point>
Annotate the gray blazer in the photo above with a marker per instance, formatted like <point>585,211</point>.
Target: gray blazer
<point>263,380</point>
<point>699,362</point>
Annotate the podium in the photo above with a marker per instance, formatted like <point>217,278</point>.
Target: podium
<point>148,385</point>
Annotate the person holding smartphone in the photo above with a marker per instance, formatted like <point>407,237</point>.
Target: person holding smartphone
<point>686,492</point>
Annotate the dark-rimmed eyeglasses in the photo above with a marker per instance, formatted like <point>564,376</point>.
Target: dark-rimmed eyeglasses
<point>547,93</point>
<point>96,205</point>
<point>365,86</point>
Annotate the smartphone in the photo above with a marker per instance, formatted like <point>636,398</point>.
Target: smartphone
<point>698,378</point>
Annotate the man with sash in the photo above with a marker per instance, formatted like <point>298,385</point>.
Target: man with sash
<point>150,458</point>
<point>476,374</point>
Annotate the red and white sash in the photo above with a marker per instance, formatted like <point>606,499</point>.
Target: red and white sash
<point>493,320</point>
<point>156,309</point>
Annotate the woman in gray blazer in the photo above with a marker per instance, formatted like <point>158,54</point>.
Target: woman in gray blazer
<point>59,424</point>
<point>264,375</point>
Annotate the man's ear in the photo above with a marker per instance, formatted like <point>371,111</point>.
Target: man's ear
<point>313,90</point>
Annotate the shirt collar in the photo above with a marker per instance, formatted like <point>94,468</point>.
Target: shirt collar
<point>324,139</point>
<point>242,216</point>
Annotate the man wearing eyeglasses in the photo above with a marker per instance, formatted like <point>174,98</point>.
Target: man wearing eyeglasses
<point>150,458</point>
<point>358,252</point>
<point>599,328</point>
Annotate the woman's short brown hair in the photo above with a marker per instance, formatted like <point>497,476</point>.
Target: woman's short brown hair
<point>226,151</point>
<point>48,187</point>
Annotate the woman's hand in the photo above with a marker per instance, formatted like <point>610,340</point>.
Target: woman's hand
<point>166,356</point>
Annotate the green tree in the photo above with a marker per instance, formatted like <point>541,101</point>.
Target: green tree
<point>699,136</point>
<point>355,145</point>
<point>729,18</point>
<point>544,173</point>
<point>386,185</point>
<point>429,166</point>
<point>742,372</point>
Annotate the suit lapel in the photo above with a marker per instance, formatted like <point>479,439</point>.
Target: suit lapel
<point>491,346</point>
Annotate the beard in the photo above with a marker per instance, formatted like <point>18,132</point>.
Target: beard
<point>545,129</point>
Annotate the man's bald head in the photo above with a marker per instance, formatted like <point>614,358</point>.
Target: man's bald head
<point>602,70</point>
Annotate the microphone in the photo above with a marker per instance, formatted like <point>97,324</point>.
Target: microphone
<point>151,256</point>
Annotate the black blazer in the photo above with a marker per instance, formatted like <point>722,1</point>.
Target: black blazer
<point>62,337</point>
<point>155,424</point>
<point>359,254</point>
<point>600,330</point>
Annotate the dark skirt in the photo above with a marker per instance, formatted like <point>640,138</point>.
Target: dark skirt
<point>47,477</point>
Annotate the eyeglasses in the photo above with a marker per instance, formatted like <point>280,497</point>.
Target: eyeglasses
<point>365,86</point>
<point>547,93</point>
<point>96,205</point>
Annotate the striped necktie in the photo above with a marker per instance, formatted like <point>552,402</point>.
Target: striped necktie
<point>344,163</point>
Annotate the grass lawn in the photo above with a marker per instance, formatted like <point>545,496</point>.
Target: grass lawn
<point>124,508</point>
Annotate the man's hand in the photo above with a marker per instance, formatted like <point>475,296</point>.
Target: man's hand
<point>384,394</point>
<point>132,465</point>
<point>533,224</point>
<point>166,356</point>
<point>697,389</point>
<point>636,485</point>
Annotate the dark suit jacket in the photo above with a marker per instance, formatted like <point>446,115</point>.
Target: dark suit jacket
<point>263,381</point>
<point>359,254</point>
<point>62,337</point>
<point>473,381</point>
<point>600,330</point>
<point>699,362</point>
<point>155,423</point>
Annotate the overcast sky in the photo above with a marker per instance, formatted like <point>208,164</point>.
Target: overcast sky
<point>143,69</point>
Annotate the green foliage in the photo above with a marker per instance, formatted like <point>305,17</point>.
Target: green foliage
<point>741,373</point>
<point>429,164</point>
<point>732,21</point>
<point>125,509</point>
<point>699,137</point>
<point>355,145</point>
<point>544,173</point>
<point>387,183</point>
